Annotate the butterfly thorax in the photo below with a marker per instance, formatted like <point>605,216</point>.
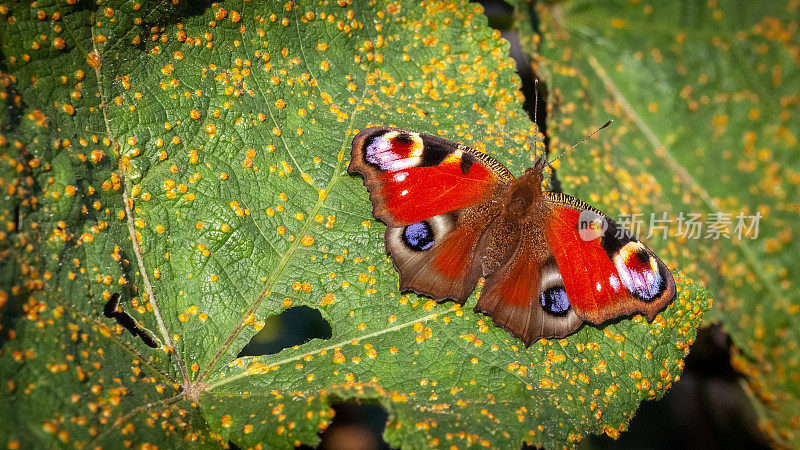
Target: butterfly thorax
<point>519,217</point>
<point>523,196</point>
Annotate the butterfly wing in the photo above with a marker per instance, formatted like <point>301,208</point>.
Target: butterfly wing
<point>526,295</point>
<point>438,257</point>
<point>447,208</point>
<point>412,177</point>
<point>435,197</point>
<point>606,271</point>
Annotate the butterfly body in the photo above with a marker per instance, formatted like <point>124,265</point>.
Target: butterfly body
<point>454,215</point>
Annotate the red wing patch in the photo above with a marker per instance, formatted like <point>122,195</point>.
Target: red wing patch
<point>417,193</point>
<point>412,177</point>
<point>516,285</point>
<point>511,297</point>
<point>610,275</point>
<point>453,256</point>
<point>587,271</point>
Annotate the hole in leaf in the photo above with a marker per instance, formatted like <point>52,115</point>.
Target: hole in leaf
<point>294,326</point>
<point>112,310</point>
<point>356,425</point>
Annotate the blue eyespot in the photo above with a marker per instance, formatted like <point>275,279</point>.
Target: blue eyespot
<point>418,236</point>
<point>555,301</point>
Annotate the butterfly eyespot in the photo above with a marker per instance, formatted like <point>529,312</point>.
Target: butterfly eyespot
<point>418,236</point>
<point>404,139</point>
<point>639,272</point>
<point>646,285</point>
<point>643,257</point>
<point>393,151</point>
<point>555,301</point>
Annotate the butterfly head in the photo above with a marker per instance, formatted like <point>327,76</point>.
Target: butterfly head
<point>540,164</point>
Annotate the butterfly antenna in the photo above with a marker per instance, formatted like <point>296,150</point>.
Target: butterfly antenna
<point>579,143</point>
<point>536,104</point>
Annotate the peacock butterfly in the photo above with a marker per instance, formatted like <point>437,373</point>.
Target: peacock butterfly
<point>550,261</point>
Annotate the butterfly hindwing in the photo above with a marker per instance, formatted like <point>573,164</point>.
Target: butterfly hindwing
<point>526,294</point>
<point>607,272</point>
<point>437,257</point>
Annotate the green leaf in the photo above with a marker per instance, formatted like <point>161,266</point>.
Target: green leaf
<point>193,162</point>
<point>706,120</point>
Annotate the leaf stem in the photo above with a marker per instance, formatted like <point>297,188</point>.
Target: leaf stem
<point>137,249</point>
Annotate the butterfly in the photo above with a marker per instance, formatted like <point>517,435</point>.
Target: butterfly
<point>549,261</point>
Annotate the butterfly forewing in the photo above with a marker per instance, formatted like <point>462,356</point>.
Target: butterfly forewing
<point>608,272</point>
<point>413,177</point>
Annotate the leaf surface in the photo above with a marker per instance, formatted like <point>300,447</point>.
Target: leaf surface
<point>193,163</point>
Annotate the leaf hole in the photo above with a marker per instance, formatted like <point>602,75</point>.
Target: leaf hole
<point>113,310</point>
<point>356,425</point>
<point>293,326</point>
